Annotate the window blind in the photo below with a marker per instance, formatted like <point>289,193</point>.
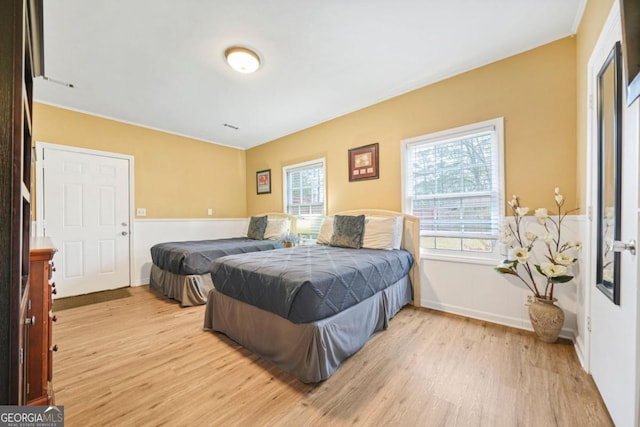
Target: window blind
<point>453,185</point>
<point>305,189</point>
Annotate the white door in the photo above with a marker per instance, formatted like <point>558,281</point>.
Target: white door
<point>614,328</point>
<point>86,214</point>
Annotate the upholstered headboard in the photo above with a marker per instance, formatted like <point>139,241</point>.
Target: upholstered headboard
<point>410,241</point>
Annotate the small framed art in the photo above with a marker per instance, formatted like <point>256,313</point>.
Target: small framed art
<point>363,162</point>
<point>263,181</point>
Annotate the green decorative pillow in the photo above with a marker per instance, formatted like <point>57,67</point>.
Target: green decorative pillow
<point>347,231</point>
<point>257,226</point>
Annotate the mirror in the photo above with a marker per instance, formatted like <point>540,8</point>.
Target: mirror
<point>609,126</point>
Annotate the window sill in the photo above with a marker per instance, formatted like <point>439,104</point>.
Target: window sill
<point>464,259</point>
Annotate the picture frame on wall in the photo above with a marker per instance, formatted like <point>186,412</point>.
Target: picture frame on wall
<point>363,162</point>
<point>263,181</point>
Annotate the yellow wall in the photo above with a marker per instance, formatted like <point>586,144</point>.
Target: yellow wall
<point>175,177</point>
<point>534,91</point>
<point>593,20</point>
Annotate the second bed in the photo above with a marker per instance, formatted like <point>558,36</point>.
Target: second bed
<point>181,270</point>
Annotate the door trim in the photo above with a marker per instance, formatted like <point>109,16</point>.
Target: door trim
<point>40,147</point>
<point>603,45</point>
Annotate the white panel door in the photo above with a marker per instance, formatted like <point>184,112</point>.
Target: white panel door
<point>86,213</point>
<point>614,328</point>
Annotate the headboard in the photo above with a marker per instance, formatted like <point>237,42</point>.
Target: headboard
<point>410,241</point>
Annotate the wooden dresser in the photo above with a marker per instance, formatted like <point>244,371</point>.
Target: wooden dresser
<point>41,318</point>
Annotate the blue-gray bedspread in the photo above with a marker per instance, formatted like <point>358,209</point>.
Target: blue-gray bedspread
<point>308,283</point>
<point>194,257</point>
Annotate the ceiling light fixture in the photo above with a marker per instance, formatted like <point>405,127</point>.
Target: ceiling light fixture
<point>242,59</point>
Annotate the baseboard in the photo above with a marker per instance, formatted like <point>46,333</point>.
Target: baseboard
<point>140,281</point>
<point>578,344</point>
<point>499,319</point>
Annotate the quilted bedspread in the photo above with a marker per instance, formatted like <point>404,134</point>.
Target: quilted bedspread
<point>308,283</point>
<point>194,257</point>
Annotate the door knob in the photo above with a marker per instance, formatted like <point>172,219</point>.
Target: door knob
<point>30,320</point>
<point>124,224</point>
<point>124,233</point>
<point>619,246</point>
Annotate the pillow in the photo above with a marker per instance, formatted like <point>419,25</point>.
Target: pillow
<point>380,233</point>
<point>276,228</point>
<point>326,230</point>
<point>257,225</point>
<point>347,231</point>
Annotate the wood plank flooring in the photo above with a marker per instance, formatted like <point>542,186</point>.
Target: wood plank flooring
<point>144,361</point>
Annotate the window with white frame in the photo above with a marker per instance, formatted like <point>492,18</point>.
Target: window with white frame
<point>454,181</point>
<point>304,195</point>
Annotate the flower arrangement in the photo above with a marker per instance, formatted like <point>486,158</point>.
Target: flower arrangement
<point>559,256</point>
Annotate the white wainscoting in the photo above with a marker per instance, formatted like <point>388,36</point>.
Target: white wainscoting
<point>478,291</point>
<point>467,289</point>
<point>148,232</point>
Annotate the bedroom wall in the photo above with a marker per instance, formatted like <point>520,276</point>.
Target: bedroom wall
<point>175,177</point>
<point>534,91</point>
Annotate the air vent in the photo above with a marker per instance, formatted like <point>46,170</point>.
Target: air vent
<point>231,126</point>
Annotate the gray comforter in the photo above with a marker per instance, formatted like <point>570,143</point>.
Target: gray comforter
<point>308,283</point>
<point>194,257</point>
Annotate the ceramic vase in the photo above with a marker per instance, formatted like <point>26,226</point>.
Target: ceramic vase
<point>546,318</point>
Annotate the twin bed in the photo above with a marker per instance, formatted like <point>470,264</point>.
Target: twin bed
<point>181,270</point>
<point>307,308</point>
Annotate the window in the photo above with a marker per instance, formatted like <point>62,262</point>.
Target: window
<point>304,195</point>
<point>453,181</point>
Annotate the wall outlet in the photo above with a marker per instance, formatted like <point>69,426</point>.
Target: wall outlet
<point>209,211</point>
<point>141,212</point>
<point>529,300</point>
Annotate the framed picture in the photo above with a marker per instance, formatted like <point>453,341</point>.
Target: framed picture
<point>263,181</point>
<point>363,162</point>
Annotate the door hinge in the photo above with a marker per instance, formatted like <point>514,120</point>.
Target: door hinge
<point>21,356</point>
<point>589,323</point>
<point>590,101</point>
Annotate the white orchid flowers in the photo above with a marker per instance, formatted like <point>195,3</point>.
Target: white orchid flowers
<point>559,197</point>
<point>542,215</point>
<point>559,256</point>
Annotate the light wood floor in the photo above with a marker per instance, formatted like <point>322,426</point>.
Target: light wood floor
<point>144,360</point>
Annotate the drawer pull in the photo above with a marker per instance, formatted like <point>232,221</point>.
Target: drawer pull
<point>54,348</point>
<point>54,318</point>
<point>54,290</point>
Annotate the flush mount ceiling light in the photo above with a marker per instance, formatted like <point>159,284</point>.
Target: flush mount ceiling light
<point>242,59</point>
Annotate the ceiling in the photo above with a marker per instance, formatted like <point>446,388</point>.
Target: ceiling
<point>160,63</point>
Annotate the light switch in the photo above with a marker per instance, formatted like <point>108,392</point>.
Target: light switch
<point>141,212</point>
<point>209,211</point>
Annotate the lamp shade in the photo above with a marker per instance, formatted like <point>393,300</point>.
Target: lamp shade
<point>242,60</point>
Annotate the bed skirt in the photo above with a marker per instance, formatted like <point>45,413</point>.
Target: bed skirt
<point>189,290</point>
<point>309,351</point>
